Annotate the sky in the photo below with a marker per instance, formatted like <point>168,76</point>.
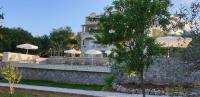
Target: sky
<point>40,16</point>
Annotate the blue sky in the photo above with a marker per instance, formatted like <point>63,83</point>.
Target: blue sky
<point>40,16</point>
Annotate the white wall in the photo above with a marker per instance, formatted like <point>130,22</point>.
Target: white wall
<point>17,57</point>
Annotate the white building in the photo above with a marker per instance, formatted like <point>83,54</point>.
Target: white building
<point>88,38</point>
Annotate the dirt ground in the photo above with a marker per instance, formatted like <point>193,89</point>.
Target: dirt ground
<point>41,93</point>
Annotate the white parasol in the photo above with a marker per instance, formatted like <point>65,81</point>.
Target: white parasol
<point>93,52</point>
<point>173,41</point>
<point>73,52</point>
<point>108,52</point>
<point>27,47</point>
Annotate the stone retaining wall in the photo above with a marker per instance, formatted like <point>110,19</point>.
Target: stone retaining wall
<point>65,76</point>
<point>164,71</point>
<point>156,92</point>
<point>169,71</point>
<point>76,77</point>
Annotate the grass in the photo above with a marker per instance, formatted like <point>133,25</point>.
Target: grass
<point>17,95</point>
<point>60,85</point>
<point>20,94</point>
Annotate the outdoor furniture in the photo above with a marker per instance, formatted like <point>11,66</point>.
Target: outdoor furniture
<point>173,41</point>
<point>93,52</point>
<point>27,47</point>
<point>72,52</point>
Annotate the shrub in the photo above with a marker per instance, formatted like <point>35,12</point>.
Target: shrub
<point>109,81</point>
<point>11,74</point>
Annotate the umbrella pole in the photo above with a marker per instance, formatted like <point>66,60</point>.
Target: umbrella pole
<point>26,51</point>
<point>72,59</point>
<point>92,60</point>
<point>168,53</point>
<point>168,50</point>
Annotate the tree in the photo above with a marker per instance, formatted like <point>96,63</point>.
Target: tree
<point>43,42</point>
<point>192,53</point>
<point>1,15</point>
<point>125,24</point>
<point>11,74</point>
<point>189,17</point>
<point>1,18</point>
<point>12,37</point>
<point>63,38</point>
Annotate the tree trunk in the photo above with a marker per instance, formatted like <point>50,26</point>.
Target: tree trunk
<point>142,84</point>
<point>11,89</point>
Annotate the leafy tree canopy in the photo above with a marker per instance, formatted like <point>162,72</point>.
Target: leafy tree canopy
<point>12,37</point>
<point>1,15</point>
<point>63,38</point>
<point>125,24</point>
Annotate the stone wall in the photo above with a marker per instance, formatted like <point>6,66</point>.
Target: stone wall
<point>65,76</point>
<point>78,61</point>
<point>169,71</point>
<point>164,71</point>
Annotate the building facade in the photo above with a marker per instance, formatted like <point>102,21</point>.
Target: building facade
<point>88,38</point>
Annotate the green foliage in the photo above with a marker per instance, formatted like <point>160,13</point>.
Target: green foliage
<point>193,51</point>
<point>133,74</point>
<point>109,82</point>
<point>125,24</point>
<point>63,38</point>
<point>12,37</point>
<point>11,74</point>
<point>1,15</point>
<point>43,42</point>
<point>59,38</point>
<point>31,95</point>
<point>60,85</point>
<point>190,16</point>
<point>17,95</point>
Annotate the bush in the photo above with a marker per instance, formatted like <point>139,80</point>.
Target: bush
<point>109,81</point>
<point>11,74</point>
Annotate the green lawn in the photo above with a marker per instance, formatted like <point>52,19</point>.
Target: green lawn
<point>16,95</point>
<point>26,95</point>
<point>38,94</point>
<point>60,85</point>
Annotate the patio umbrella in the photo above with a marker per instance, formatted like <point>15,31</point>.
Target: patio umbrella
<point>73,52</point>
<point>93,52</point>
<point>27,47</point>
<point>173,41</point>
<point>108,52</point>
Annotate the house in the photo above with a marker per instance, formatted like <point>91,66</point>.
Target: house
<point>88,38</point>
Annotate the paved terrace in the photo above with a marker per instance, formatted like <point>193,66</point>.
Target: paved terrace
<point>87,68</point>
<point>76,91</point>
